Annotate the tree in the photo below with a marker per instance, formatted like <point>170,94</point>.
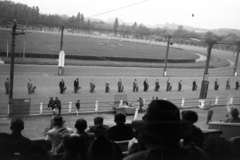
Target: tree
<point>115,26</point>
<point>134,26</point>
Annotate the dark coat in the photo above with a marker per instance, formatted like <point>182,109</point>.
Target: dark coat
<point>58,103</point>
<point>120,132</point>
<point>76,83</point>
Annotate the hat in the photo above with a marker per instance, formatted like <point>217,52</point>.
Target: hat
<point>110,151</point>
<point>162,120</point>
<point>190,116</point>
<point>58,120</point>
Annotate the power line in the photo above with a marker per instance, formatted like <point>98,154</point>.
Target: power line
<point>117,9</point>
<point>112,10</point>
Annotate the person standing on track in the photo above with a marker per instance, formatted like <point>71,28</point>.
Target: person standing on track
<point>237,84</point>
<point>145,85</point>
<point>135,87</point>
<point>92,86</point>
<point>194,86</point>
<point>228,84</point>
<point>107,86</point>
<point>120,85</point>
<point>62,86</point>
<point>76,85</point>
<point>168,85</point>
<point>216,85</point>
<point>77,106</point>
<point>29,85</point>
<point>157,86</point>
<point>7,85</point>
<point>180,85</point>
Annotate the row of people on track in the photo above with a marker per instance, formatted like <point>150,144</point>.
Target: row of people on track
<point>76,86</point>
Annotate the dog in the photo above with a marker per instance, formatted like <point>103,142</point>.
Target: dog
<point>33,89</point>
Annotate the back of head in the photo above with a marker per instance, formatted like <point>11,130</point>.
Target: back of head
<point>98,120</point>
<point>73,143</point>
<point>81,125</point>
<point>190,116</point>
<point>17,124</point>
<point>234,112</point>
<point>120,118</point>
<point>218,148</point>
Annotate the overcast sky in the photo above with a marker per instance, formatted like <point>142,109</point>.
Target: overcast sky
<point>208,14</point>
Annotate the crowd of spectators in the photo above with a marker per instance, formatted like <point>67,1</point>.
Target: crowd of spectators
<point>163,133</point>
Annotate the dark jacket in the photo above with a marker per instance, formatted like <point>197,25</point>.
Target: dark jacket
<point>58,103</point>
<point>120,132</point>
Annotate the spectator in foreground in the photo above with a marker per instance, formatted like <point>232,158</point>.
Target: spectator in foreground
<point>218,148</point>
<point>161,131</point>
<point>99,128</point>
<point>235,141</point>
<point>17,126</point>
<point>34,152</point>
<point>234,116</point>
<point>56,134</point>
<point>6,147</point>
<point>72,145</point>
<point>104,149</point>
<point>81,126</point>
<point>120,131</point>
<point>196,136</point>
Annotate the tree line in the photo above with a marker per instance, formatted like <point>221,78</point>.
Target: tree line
<point>31,16</point>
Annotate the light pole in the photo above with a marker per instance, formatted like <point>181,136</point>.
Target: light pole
<point>236,60</point>
<point>14,33</point>
<point>166,57</point>
<point>205,82</point>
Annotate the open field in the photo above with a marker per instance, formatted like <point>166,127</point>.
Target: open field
<point>49,43</point>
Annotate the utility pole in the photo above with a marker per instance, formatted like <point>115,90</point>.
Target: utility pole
<point>166,57</point>
<point>12,64</point>
<point>14,33</point>
<point>236,61</point>
<point>205,82</point>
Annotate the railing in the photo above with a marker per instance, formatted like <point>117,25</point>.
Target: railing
<point>93,107</point>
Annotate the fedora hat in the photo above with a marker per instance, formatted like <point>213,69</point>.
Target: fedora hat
<point>162,120</point>
<point>58,120</point>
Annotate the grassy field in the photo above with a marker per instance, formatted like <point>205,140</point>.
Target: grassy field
<point>37,42</point>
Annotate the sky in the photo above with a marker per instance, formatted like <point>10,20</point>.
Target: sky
<point>208,14</point>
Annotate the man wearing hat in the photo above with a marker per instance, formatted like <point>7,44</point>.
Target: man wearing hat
<point>17,126</point>
<point>56,134</point>
<point>161,131</point>
<point>120,131</point>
